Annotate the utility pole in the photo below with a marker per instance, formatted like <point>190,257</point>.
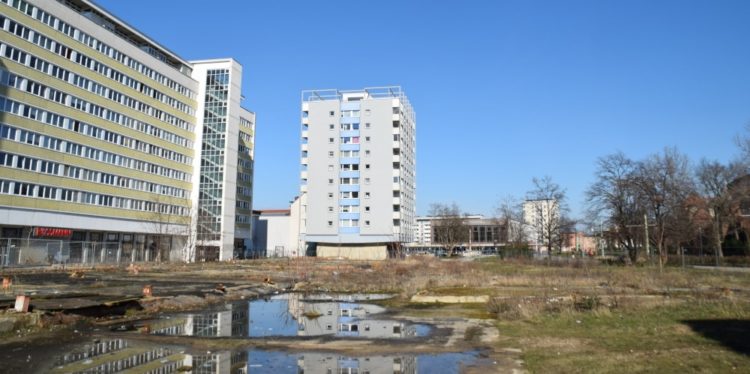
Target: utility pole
<point>645,229</point>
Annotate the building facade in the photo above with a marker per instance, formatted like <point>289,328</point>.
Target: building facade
<point>482,233</point>
<point>358,171</point>
<point>540,215</point>
<point>112,147</point>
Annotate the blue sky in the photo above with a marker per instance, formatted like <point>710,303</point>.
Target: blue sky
<point>504,90</point>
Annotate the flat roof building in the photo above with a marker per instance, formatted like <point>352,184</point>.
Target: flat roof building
<point>358,171</point>
<point>112,147</point>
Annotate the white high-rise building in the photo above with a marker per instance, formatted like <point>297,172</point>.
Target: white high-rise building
<point>539,215</point>
<point>358,171</point>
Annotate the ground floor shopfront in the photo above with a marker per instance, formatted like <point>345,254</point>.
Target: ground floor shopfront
<point>33,245</point>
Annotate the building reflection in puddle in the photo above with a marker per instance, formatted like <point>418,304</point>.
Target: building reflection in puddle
<point>288,315</point>
<point>116,355</point>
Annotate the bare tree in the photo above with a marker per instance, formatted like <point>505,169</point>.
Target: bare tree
<point>614,201</point>
<point>548,202</point>
<point>449,228</point>
<point>167,219</point>
<point>722,202</point>
<point>510,217</point>
<point>665,183</point>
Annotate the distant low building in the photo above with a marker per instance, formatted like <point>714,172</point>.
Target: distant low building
<point>271,233</point>
<point>484,232</point>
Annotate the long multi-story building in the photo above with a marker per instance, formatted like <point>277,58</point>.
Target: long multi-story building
<point>358,171</point>
<point>110,141</point>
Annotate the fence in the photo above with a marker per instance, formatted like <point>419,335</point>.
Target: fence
<point>41,252</point>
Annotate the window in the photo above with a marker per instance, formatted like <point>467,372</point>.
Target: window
<point>367,138</point>
<point>330,153</point>
<point>330,127</point>
<point>367,153</point>
<point>367,125</point>
<point>367,166</point>
<point>367,223</point>
<point>331,113</point>
<point>330,140</point>
<point>330,195</point>
<point>330,223</point>
<point>367,195</point>
<point>367,180</point>
<point>330,209</point>
<point>367,208</point>
<point>330,181</point>
<point>330,167</point>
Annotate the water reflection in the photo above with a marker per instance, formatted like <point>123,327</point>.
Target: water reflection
<point>115,355</point>
<point>289,315</point>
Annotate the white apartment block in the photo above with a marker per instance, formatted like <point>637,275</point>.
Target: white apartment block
<point>538,214</point>
<point>358,171</point>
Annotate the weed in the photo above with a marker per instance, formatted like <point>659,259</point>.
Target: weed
<point>473,334</point>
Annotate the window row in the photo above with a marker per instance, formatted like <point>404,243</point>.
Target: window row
<point>59,169</point>
<point>60,145</point>
<point>81,59</point>
<point>244,191</point>
<point>347,126</point>
<point>37,114</point>
<point>244,122</point>
<point>96,44</point>
<point>348,153</point>
<point>48,68</point>
<point>242,218</point>
<point>246,137</point>
<point>244,177</point>
<point>9,187</point>
<point>242,204</point>
<point>243,163</point>
<point>117,118</point>
<point>245,150</point>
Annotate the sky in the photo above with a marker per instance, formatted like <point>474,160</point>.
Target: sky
<point>504,91</point>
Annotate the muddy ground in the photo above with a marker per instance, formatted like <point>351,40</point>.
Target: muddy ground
<point>71,306</point>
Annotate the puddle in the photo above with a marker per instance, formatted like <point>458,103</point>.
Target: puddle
<point>115,355</point>
<point>291,315</point>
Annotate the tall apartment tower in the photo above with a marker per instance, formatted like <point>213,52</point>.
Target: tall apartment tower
<point>112,147</point>
<point>358,172</point>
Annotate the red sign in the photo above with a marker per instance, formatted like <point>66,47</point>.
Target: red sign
<point>50,232</point>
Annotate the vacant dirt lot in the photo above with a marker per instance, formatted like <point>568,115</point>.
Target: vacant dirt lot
<point>578,316</point>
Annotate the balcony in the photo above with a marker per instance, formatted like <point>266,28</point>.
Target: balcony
<point>396,201</point>
<point>348,230</point>
<point>349,147</point>
<point>354,202</point>
<point>396,158</point>
<point>303,174</point>
<point>348,215</point>
<point>350,133</point>
<point>304,146</point>
<point>349,174</point>
<point>348,187</point>
<point>349,160</point>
